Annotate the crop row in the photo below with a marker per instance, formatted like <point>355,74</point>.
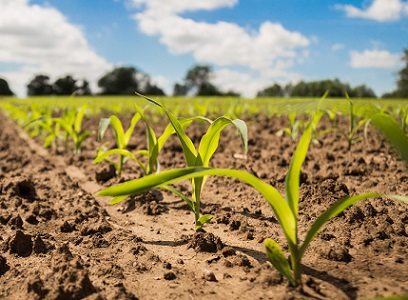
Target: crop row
<point>68,128</point>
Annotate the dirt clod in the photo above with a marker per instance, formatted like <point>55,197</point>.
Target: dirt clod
<point>21,244</point>
<point>205,242</point>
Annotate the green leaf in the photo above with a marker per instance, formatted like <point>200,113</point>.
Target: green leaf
<point>180,194</point>
<point>188,147</point>
<point>103,155</point>
<point>243,133</point>
<point>293,177</point>
<point>79,117</point>
<point>202,220</point>
<point>393,132</point>
<point>103,126</point>
<point>279,205</point>
<point>210,140</point>
<point>278,259</point>
<point>64,124</point>
<point>132,126</point>
<point>119,133</point>
<point>118,199</point>
<point>83,136</point>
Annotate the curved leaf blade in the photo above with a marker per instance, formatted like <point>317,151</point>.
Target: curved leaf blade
<point>279,205</point>
<point>103,126</point>
<point>119,132</point>
<point>393,132</point>
<point>278,259</point>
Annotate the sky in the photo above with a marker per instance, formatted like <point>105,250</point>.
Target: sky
<point>250,44</point>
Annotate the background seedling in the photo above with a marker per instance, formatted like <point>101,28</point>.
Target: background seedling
<point>294,128</point>
<point>71,122</point>
<point>122,141</point>
<point>68,128</point>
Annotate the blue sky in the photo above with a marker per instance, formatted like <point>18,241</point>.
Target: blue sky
<point>250,44</point>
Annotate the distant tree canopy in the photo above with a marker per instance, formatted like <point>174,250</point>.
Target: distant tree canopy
<point>65,85</point>
<point>4,88</point>
<point>198,82</point>
<point>126,81</point>
<point>317,89</point>
<point>40,85</point>
<point>402,83</point>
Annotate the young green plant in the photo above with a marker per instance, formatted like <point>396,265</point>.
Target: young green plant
<point>154,144</point>
<point>67,127</point>
<point>294,127</point>
<point>353,126</point>
<point>122,141</point>
<point>284,207</point>
<point>197,158</point>
<point>71,123</point>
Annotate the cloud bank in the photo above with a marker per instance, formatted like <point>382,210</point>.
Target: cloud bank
<point>266,53</point>
<point>374,59</point>
<point>39,39</point>
<point>379,10</point>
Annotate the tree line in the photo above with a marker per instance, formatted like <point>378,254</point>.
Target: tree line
<point>125,80</point>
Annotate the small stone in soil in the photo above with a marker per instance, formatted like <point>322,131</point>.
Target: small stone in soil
<point>209,275</point>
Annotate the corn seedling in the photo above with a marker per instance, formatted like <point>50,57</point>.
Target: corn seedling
<point>294,128</point>
<point>68,127</point>
<point>154,144</point>
<point>284,207</point>
<point>353,126</point>
<point>71,123</point>
<point>122,141</point>
<point>196,158</point>
<point>45,128</point>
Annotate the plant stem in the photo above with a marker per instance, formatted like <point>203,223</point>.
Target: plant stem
<point>121,158</point>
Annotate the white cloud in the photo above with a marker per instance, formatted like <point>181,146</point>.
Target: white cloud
<point>40,39</point>
<point>223,44</point>
<point>249,83</point>
<point>379,10</point>
<point>163,83</point>
<point>374,59</point>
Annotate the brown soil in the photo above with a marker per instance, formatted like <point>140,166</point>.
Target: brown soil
<point>59,241</point>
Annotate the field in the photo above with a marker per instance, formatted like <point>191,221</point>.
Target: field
<point>61,241</point>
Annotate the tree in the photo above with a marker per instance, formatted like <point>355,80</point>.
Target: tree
<point>40,86</point>
<point>153,90</point>
<point>362,91</point>
<point>198,79</point>
<point>402,83</point>
<point>4,88</point>
<point>65,85</point>
<point>126,81</point>
<point>274,90</point>
<point>83,89</point>
<point>198,82</point>
<point>335,87</point>
<point>180,90</point>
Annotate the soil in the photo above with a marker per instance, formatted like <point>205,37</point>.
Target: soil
<point>59,241</point>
